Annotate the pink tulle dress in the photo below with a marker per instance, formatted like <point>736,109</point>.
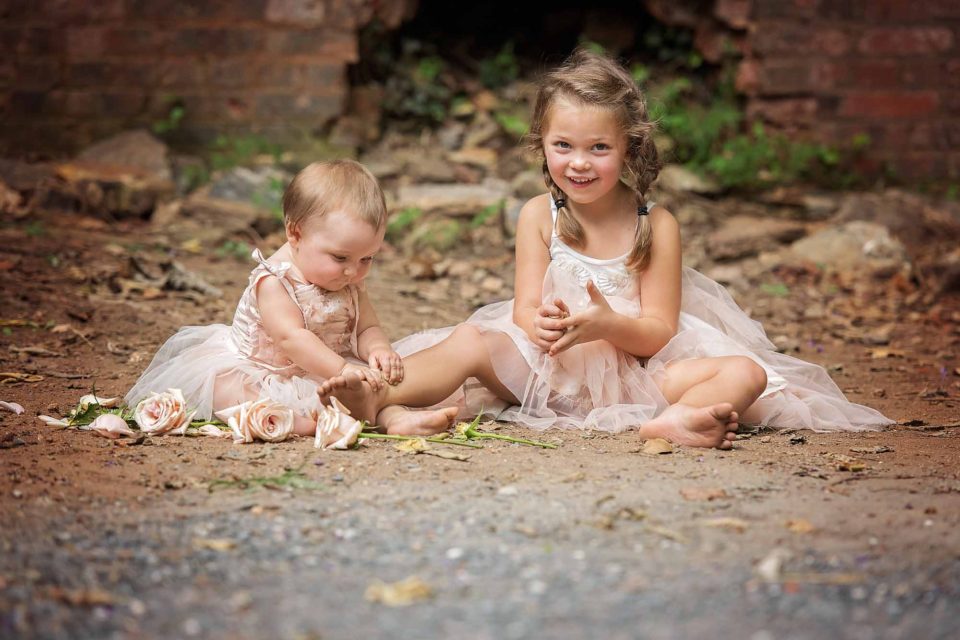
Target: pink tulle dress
<point>199,360</point>
<point>597,386</point>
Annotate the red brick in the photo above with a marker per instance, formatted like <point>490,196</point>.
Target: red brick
<point>829,74</point>
<point>943,8</point>
<point>313,43</point>
<point>767,9</point>
<point>889,104</point>
<point>850,10</point>
<point>735,13</point>
<point>748,77</point>
<point>196,13</point>
<point>896,11</point>
<point>90,104</point>
<point>833,42</point>
<point>109,74</point>
<point>178,73</point>
<point>85,43</point>
<point>35,41</point>
<point>135,42</point>
<point>301,13</point>
<point>951,102</point>
<point>784,112</point>
<point>784,77</point>
<point>216,41</point>
<point>953,72</point>
<point>874,74</point>
<point>916,165</point>
<point>72,11</point>
<point>278,106</point>
<point>906,41</point>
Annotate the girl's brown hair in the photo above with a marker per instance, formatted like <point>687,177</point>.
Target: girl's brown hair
<point>591,79</point>
<point>323,187</point>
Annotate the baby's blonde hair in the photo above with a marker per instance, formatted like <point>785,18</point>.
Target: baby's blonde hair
<point>323,187</point>
<point>591,79</point>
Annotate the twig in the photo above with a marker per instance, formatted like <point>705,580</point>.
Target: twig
<point>390,436</point>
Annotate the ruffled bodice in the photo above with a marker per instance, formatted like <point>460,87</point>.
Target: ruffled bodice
<point>330,315</point>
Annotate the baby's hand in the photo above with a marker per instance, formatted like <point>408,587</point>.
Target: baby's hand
<point>374,377</point>
<point>389,362</point>
<point>547,323</point>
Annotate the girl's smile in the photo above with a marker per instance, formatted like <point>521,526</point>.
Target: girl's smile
<point>585,149</point>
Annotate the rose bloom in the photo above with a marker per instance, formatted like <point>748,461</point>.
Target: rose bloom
<point>161,413</point>
<point>110,425</point>
<point>336,429</point>
<point>261,419</point>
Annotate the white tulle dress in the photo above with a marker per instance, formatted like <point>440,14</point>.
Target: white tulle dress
<point>197,360</point>
<point>597,386</point>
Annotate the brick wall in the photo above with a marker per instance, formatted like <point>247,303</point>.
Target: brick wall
<point>838,68</point>
<point>72,71</point>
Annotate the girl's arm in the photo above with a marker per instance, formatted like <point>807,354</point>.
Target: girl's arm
<point>538,321</point>
<point>660,301</point>
<point>373,345</point>
<point>284,324</point>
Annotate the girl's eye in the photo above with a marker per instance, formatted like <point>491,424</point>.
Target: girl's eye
<point>601,146</point>
<point>562,145</point>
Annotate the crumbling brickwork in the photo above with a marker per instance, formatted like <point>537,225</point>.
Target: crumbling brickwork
<point>72,71</point>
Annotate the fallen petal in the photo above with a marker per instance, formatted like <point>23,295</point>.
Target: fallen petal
<point>110,425</point>
<point>53,422</point>
<point>213,431</point>
<point>12,407</point>
<point>89,399</point>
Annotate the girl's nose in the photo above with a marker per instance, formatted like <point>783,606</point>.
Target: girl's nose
<point>580,163</point>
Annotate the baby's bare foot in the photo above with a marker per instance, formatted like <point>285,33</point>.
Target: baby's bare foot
<point>406,422</point>
<point>714,426</point>
<point>355,394</point>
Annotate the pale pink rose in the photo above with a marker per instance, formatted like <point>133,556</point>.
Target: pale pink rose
<point>261,419</point>
<point>161,413</point>
<point>336,429</point>
<point>110,425</point>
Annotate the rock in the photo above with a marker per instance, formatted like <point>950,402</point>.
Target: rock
<point>451,199</point>
<point>742,236</point>
<point>450,135</point>
<point>113,189</point>
<point>493,284</point>
<point>137,150</point>
<point>421,167</point>
<point>528,184</point>
<point>512,215</point>
<point>820,206</point>
<point>260,185</point>
<point>482,130</point>
<point>24,176</point>
<point>913,218</point>
<point>675,178</point>
<point>855,246</point>
<point>481,157</point>
<point>728,274</point>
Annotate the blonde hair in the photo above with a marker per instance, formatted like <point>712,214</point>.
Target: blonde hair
<point>323,187</point>
<point>591,79</point>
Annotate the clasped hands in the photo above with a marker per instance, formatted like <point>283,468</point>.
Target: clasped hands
<point>557,329</point>
<point>385,367</point>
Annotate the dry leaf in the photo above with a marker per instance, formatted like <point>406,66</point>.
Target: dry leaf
<point>82,597</point>
<point>447,455</point>
<point>13,377</point>
<point>215,544</point>
<point>669,534</point>
<point>656,446</point>
<point>880,354</point>
<point>418,445</point>
<point>799,525</point>
<point>736,524</point>
<point>399,594</point>
<point>702,494</point>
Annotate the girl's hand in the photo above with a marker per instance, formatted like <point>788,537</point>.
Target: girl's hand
<point>547,323</point>
<point>389,362</point>
<point>588,325</point>
<point>374,377</point>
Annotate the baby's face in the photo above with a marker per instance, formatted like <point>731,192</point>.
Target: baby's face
<point>335,250</point>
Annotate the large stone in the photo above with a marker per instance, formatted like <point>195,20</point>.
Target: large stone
<point>136,150</point>
<point>24,176</point>
<point>679,179</point>
<point>451,199</point>
<point>743,236</point>
<point>855,246</point>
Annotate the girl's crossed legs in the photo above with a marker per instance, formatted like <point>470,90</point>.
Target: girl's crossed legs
<point>706,395</point>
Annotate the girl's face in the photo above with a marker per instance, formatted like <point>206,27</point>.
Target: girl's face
<point>585,149</point>
<point>334,250</point>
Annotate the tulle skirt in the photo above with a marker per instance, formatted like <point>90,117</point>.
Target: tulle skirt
<point>202,362</point>
<point>597,386</point>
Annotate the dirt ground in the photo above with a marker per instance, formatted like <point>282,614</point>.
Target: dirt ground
<point>789,535</point>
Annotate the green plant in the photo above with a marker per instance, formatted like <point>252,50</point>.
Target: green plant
<point>172,120</point>
<point>236,249</point>
<point>501,69</point>
<point>488,212</point>
<point>232,151</point>
<point>400,222</point>
<point>512,123</point>
<point>270,197</point>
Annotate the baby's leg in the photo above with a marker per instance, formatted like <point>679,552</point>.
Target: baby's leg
<point>430,376</point>
<point>231,389</point>
<point>707,396</point>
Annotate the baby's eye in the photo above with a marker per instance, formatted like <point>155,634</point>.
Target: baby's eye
<point>340,258</point>
<point>367,260</point>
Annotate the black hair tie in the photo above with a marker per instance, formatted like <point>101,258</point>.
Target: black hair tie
<point>561,203</point>
<point>642,210</point>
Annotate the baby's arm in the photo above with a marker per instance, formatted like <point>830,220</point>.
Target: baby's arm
<point>539,321</point>
<point>283,322</point>
<point>373,345</point>
<point>660,301</point>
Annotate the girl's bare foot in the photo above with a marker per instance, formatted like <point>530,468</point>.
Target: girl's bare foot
<point>355,394</point>
<point>402,421</point>
<point>714,426</point>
